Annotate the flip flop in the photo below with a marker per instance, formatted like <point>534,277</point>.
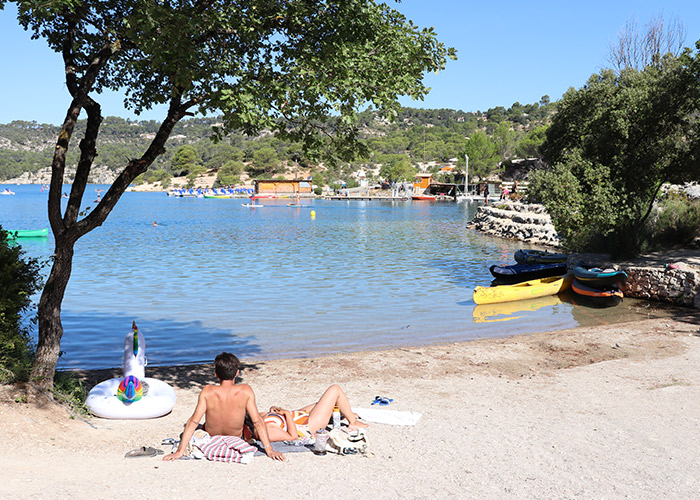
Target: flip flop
<point>143,452</point>
<point>379,400</point>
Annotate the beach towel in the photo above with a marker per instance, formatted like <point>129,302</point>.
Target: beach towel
<point>384,416</point>
<point>283,447</point>
<point>230,449</point>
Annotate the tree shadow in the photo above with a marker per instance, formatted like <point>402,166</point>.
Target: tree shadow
<point>179,353</point>
<point>180,376</point>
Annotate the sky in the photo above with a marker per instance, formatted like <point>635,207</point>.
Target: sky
<point>508,51</point>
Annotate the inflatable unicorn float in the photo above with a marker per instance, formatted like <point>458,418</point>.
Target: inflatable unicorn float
<point>132,396</point>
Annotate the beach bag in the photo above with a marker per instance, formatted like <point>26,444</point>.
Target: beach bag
<point>346,442</point>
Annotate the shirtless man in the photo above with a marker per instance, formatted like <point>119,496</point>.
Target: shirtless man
<point>225,406</point>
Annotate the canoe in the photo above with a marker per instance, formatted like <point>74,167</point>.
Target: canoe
<point>524,272</point>
<point>520,291</point>
<point>506,311</point>
<point>28,233</point>
<point>218,196</point>
<point>538,257</point>
<point>418,197</point>
<point>594,297</point>
<point>599,278</point>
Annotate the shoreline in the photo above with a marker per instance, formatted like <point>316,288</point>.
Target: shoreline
<point>592,412</point>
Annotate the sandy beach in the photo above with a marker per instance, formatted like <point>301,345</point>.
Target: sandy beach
<point>611,411</point>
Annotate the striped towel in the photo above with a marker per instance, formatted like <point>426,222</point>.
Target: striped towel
<point>228,449</point>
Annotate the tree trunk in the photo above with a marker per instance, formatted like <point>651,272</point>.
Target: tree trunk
<point>49,312</point>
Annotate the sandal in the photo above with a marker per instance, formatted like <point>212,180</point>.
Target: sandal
<point>379,400</point>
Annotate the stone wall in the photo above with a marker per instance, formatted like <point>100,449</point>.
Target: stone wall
<point>677,286</point>
<point>520,221</point>
<point>656,278</point>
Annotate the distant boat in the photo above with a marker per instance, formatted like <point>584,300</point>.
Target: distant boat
<point>423,197</point>
<point>7,192</point>
<point>28,233</point>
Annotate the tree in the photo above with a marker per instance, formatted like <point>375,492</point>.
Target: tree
<point>482,154</point>
<point>504,140</point>
<point>230,173</point>
<point>398,169</point>
<point>302,69</point>
<point>185,160</point>
<point>529,145</point>
<point>637,48</point>
<point>617,140</point>
<point>265,163</point>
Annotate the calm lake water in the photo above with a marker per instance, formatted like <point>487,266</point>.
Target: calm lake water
<point>274,282</point>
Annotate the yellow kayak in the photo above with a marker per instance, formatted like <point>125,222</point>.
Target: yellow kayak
<point>525,290</point>
<point>505,311</point>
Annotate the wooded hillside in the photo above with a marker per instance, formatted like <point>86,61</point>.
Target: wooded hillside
<point>430,135</point>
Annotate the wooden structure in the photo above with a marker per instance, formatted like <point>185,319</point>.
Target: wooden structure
<point>283,186</point>
<point>422,183</point>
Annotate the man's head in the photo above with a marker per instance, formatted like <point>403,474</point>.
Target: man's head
<point>226,366</point>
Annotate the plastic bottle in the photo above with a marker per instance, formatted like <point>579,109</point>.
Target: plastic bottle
<point>336,417</point>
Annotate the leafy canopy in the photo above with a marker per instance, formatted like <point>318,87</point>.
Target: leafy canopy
<point>616,141</point>
<point>482,153</point>
<point>299,67</point>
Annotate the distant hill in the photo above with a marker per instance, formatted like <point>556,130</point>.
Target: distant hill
<point>430,135</point>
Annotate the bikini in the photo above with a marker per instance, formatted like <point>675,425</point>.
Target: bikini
<point>300,418</point>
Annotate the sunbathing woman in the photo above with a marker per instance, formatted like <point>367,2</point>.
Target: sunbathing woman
<point>285,425</point>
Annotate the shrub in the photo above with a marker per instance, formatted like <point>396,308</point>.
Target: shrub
<point>19,280</point>
<point>676,222</point>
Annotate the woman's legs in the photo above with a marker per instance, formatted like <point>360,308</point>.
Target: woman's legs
<point>320,412</point>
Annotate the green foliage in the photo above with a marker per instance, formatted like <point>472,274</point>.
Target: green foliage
<point>676,222</point>
<point>70,391</point>
<point>637,130</point>
<point>19,279</point>
<point>529,145</point>
<point>582,210</point>
<point>265,163</point>
<point>185,160</point>
<point>398,169</point>
<point>483,157</point>
<point>504,140</point>
<point>230,173</point>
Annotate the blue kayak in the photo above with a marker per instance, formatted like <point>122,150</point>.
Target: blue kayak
<point>524,272</point>
<point>539,257</point>
<point>600,278</point>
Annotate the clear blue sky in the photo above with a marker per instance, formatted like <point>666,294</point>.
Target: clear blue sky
<point>510,50</point>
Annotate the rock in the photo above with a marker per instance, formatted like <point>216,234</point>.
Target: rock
<point>514,220</point>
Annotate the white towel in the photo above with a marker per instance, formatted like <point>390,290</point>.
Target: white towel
<point>384,416</point>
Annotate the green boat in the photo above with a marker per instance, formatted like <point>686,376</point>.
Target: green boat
<point>28,233</point>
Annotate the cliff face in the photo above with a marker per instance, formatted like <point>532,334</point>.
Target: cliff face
<point>520,221</point>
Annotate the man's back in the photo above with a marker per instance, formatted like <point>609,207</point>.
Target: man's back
<point>225,408</point>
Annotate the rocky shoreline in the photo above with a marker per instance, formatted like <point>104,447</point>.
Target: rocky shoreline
<point>672,277</point>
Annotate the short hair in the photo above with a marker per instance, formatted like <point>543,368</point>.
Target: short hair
<point>226,366</point>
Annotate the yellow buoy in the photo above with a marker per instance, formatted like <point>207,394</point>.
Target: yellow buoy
<point>313,214</point>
